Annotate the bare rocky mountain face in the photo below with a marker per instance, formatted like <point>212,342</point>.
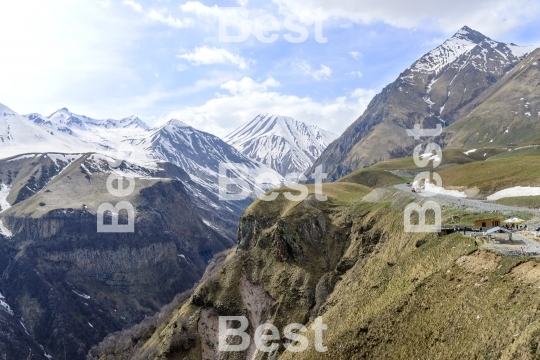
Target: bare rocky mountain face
<point>282,143</point>
<point>507,114</point>
<point>70,285</point>
<point>434,90</point>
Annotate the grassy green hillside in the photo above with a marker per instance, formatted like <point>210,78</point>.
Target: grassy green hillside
<point>494,174</point>
<point>373,178</point>
<point>483,171</point>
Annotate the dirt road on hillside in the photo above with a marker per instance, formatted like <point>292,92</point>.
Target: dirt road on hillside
<point>469,204</point>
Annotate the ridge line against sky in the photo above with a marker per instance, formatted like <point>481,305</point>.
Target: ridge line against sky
<point>159,60</point>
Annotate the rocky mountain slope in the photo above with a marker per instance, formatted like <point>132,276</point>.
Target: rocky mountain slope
<point>69,284</point>
<point>380,291</point>
<point>434,90</point>
<point>507,114</point>
<point>285,144</point>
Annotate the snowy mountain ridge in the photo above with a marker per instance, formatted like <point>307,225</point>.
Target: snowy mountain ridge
<point>63,118</point>
<point>283,143</point>
<point>462,43</point>
<point>19,136</point>
<point>198,153</point>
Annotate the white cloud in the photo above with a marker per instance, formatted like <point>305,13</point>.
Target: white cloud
<point>135,6</point>
<point>165,17</point>
<point>324,71</point>
<point>242,2</point>
<point>493,17</point>
<point>247,98</point>
<point>357,74</point>
<point>196,14</point>
<point>248,85</point>
<point>181,67</point>
<point>200,11</point>
<point>363,95</point>
<point>104,3</point>
<point>211,55</point>
<point>355,54</point>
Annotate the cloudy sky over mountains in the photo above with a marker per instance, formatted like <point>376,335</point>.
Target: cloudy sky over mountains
<point>163,59</point>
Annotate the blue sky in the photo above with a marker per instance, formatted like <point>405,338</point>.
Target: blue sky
<point>164,59</point>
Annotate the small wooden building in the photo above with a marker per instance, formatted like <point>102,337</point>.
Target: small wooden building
<point>488,223</point>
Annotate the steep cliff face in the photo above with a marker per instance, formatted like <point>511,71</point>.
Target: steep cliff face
<point>72,285</point>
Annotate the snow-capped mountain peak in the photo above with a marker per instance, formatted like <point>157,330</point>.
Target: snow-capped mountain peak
<point>133,122</point>
<point>437,59</point>
<point>462,43</point>
<point>18,136</point>
<point>68,122</point>
<point>174,124</point>
<point>283,143</point>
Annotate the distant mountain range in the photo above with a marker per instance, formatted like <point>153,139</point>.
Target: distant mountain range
<point>436,89</point>
<point>285,144</point>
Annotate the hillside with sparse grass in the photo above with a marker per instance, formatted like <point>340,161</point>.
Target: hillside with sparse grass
<point>492,175</point>
<point>381,291</point>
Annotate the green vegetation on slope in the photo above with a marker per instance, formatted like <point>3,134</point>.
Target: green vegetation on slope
<point>493,175</point>
<point>373,178</point>
<point>532,202</point>
<point>506,114</point>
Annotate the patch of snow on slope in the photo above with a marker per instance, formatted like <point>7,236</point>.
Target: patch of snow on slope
<point>442,191</point>
<point>81,295</point>
<point>5,231</point>
<point>4,306</point>
<point>22,157</point>
<point>520,51</point>
<point>517,191</point>
<point>4,192</point>
<point>469,151</point>
<point>66,158</point>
